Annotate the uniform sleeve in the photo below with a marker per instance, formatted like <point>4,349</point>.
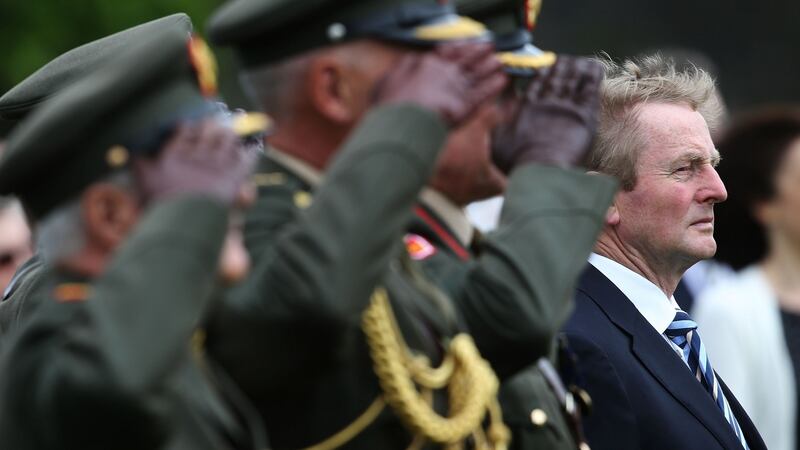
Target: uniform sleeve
<point>612,425</point>
<point>94,377</point>
<point>519,293</point>
<point>314,278</point>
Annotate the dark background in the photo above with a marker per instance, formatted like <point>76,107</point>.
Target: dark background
<point>752,46</point>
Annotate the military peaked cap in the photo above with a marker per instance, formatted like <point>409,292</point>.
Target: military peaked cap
<point>78,63</point>
<point>511,22</point>
<point>267,31</point>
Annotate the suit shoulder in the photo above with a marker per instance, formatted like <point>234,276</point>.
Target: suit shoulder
<point>587,315</point>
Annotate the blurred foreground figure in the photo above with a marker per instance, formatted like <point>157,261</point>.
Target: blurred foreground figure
<point>134,225</point>
<point>543,126</point>
<point>28,95</point>
<point>751,324</point>
<point>651,381</point>
<point>15,239</point>
<point>379,355</point>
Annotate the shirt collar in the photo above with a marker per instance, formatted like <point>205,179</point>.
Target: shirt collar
<point>302,169</point>
<point>649,299</point>
<point>454,217</point>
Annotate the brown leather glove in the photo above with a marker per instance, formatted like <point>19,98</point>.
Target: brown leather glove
<point>555,121</point>
<point>452,81</point>
<point>202,158</point>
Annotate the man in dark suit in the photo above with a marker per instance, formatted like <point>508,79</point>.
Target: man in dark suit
<point>641,357</point>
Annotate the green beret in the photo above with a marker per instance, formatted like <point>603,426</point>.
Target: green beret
<point>511,22</point>
<point>99,124</point>
<point>78,63</point>
<point>267,31</point>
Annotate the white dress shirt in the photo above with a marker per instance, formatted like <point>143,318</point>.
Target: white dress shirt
<point>651,302</point>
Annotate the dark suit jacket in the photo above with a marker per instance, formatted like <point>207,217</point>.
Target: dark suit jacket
<point>644,395</point>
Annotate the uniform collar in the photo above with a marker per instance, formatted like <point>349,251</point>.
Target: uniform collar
<point>649,299</point>
<point>302,169</point>
<point>454,217</point>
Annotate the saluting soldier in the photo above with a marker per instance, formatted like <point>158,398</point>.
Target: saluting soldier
<point>548,100</point>
<point>328,362</point>
<point>130,175</point>
<point>19,300</point>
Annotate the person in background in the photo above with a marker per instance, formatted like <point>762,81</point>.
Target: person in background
<point>16,246</point>
<point>751,323</point>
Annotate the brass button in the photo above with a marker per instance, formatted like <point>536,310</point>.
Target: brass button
<point>584,446</point>
<point>538,417</point>
<point>117,156</point>
<point>302,199</point>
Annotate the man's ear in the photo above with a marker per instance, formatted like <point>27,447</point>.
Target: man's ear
<point>330,91</point>
<point>612,215</point>
<point>109,213</point>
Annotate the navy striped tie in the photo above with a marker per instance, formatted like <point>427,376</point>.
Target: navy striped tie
<point>683,332</point>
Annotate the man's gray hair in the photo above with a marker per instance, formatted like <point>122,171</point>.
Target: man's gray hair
<point>60,234</point>
<point>628,86</point>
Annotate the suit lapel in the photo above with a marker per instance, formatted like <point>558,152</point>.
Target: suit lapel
<point>657,356</point>
<point>754,440</point>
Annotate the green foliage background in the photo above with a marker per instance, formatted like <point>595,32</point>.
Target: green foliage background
<point>32,32</point>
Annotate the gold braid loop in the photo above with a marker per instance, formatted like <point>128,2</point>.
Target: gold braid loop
<point>472,385</point>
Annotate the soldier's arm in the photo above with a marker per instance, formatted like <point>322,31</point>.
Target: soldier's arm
<point>306,293</point>
<point>96,380</point>
<point>518,293</point>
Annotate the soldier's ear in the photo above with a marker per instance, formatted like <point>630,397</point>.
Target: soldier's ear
<point>109,213</point>
<point>329,90</point>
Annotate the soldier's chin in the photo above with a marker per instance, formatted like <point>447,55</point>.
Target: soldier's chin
<point>234,263</point>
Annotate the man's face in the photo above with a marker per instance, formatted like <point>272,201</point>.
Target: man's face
<point>668,218</point>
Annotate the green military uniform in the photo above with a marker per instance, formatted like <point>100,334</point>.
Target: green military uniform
<point>531,408</point>
<point>26,281</point>
<point>112,362</point>
<point>299,352</point>
<point>109,363</point>
<point>19,300</point>
<point>534,400</point>
<point>304,358</point>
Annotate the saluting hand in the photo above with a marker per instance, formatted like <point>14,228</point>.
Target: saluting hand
<point>203,158</point>
<point>555,121</point>
<point>453,81</point>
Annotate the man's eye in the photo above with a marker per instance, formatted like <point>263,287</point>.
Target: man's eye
<point>683,169</point>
